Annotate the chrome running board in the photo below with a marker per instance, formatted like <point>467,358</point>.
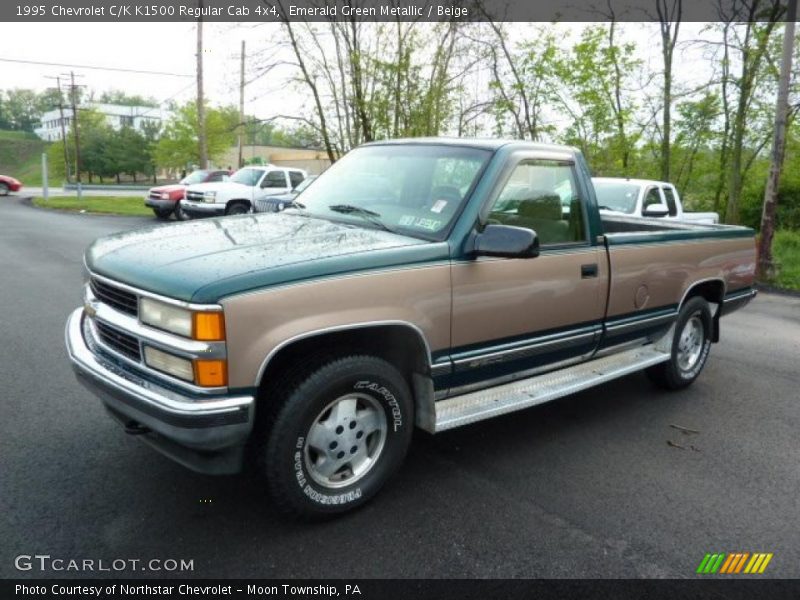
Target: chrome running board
<point>509,397</point>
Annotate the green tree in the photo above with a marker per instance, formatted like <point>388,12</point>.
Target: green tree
<point>178,148</point>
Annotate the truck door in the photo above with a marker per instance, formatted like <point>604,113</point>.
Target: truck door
<point>513,318</point>
<point>274,182</point>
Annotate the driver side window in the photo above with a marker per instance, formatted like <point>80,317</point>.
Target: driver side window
<point>542,195</point>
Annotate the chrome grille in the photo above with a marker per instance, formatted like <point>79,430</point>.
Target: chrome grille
<point>155,195</point>
<point>118,298</point>
<point>125,344</point>
<point>195,196</point>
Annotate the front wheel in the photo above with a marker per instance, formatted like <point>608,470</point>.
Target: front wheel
<point>162,213</point>
<point>690,347</point>
<point>180,214</point>
<point>237,208</point>
<point>335,435</point>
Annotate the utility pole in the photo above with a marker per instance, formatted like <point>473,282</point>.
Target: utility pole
<point>63,125</point>
<point>76,129</point>
<point>765,265</point>
<point>240,164</point>
<point>201,109</point>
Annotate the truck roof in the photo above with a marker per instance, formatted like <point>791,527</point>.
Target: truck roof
<point>633,181</point>
<point>482,143</point>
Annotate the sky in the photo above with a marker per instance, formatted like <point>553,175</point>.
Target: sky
<point>170,47</point>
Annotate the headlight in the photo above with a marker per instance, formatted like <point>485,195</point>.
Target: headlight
<point>164,196</point>
<point>165,316</point>
<point>209,194</point>
<point>205,326</point>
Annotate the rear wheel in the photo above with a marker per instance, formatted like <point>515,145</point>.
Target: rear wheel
<point>162,213</point>
<point>690,347</point>
<point>237,208</point>
<point>335,434</point>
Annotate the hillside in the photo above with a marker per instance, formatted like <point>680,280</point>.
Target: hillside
<point>21,156</point>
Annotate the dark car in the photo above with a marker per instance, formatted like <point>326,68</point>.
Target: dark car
<point>9,184</point>
<point>165,199</point>
<point>280,202</point>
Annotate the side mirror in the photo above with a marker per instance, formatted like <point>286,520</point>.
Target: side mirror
<point>656,210</point>
<point>507,242</point>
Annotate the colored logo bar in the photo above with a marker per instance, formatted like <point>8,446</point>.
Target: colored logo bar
<point>734,563</point>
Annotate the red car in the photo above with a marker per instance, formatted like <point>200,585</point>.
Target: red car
<point>9,184</point>
<point>164,200</point>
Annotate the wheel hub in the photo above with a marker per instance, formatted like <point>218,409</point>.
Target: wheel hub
<point>690,344</point>
<point>345,440</point>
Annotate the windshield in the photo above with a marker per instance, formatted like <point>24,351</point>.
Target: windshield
<point>613,195</point>
<point>412,189</point>
<point>248,177</point>
<point>195,177</point>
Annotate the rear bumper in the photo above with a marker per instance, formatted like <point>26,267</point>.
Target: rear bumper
<point>204,433</point>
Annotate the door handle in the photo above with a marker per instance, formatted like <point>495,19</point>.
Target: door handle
<point>588,271</point>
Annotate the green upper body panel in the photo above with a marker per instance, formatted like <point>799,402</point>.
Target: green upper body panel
<point>204,261</point>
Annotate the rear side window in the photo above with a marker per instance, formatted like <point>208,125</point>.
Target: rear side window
<point>651,197</point>
<point>275,179</point>
<point>296,177</point>
<point>671,204</point>
<point>542,195</point>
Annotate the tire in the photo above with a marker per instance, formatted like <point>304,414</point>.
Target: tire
<point>162,213</point>
<point>3,189</point>
<point>690,347</point>
<point>237,208</point>
<point>334,434</point>
<point>180,214</point>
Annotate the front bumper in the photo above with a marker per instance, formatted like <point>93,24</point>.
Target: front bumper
<point>160,204</point>
<point>202,209</point>
<point>206,434</point>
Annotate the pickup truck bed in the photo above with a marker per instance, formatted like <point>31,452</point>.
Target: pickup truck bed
<point>447,286</point>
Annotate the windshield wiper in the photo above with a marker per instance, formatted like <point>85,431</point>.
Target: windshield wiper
<point>368,215</point>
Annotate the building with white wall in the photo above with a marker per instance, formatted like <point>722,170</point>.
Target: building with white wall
<point>117,116</point>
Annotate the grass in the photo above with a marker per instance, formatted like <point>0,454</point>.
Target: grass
<point>21,156</point>
<point>6,134</point>
<point>107,205</point>
<point>786,252</point>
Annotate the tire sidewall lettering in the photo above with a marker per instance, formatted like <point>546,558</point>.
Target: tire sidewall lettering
<point>311,490</point>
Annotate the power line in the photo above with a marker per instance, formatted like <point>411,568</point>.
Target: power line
<point>119,69</point>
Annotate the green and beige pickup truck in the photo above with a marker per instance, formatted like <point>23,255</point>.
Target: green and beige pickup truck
<point>428,282</point>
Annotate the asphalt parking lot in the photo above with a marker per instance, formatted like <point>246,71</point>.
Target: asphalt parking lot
<point>600,484</point>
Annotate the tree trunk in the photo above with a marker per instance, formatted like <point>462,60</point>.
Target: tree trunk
<point>765,265</point>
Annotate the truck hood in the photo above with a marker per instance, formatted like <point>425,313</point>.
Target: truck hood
<point>216,186</point>
<point>175,187</point>
<point>207,260</point>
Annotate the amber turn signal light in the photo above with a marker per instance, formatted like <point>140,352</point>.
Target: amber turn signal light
<point>211,373</point>
<point>209,326</point>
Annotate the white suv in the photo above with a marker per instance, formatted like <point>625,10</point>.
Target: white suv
<point>239,193</point>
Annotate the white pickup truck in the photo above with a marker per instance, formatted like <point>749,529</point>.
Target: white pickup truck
<point>238,195</point>
<point>645,198</point>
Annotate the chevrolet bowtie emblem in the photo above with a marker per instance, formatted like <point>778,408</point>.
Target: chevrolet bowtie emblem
<point>90,308</point>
